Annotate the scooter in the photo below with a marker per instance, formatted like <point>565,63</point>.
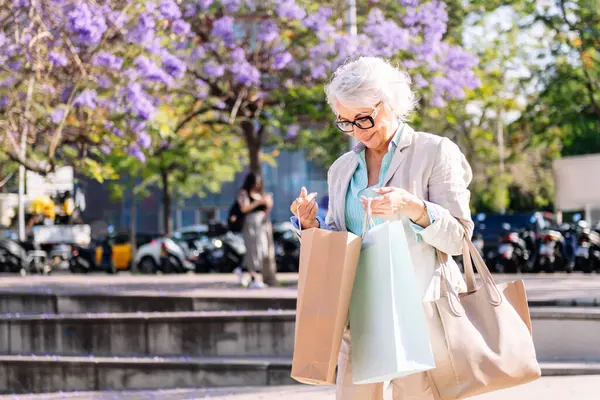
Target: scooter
<point>587,253</point>
<point>551,253</point>
<point>513,254</point>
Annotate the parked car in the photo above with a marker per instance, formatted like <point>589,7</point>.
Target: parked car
<point>115,252</point>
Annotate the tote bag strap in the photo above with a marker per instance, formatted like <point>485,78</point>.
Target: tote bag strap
<point>470,256</point>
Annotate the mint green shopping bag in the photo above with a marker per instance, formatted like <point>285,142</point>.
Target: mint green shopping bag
<point>390,336</point>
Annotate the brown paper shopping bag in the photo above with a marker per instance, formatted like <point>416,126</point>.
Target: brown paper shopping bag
<point>328,263</point>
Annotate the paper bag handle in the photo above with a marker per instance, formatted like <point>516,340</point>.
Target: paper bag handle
<point>368,220</point>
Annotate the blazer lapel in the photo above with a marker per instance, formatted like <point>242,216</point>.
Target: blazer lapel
<point>405,141</point>
<point>344,179</point>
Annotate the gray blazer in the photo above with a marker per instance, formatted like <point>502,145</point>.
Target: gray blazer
<point>434,169</point>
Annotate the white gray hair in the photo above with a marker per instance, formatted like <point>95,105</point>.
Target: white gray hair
<point>366,81</point>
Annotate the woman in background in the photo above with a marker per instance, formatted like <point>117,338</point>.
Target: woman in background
<point>256,205</point>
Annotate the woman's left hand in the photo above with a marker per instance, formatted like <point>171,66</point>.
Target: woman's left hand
<point>394,201</point>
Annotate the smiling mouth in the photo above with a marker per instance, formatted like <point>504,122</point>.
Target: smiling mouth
<point>370,137</point>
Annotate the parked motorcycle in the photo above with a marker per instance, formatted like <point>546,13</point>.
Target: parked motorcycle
<point>219,254</point>
<point>287,248</point>
<point>513,253</point>
<point>13,257</point>
<point>551,253</point>
<point>587,253</point>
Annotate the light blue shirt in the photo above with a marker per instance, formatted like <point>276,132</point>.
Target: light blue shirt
<point>358,183</point>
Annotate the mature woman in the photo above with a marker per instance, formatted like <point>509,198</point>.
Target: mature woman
<point>255,205</point>
<point>417,177</point>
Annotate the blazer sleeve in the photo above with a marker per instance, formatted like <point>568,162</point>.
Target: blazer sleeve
<point>447,186</point>
<point>329,219</point>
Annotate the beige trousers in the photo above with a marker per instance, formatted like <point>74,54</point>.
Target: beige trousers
<point>412,387</point>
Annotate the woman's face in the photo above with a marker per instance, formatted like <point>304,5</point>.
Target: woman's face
<point>376,137</point>
<point>258,184</point>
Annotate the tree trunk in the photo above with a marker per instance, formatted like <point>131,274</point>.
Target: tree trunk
<point>254,144</point>
<point>167,219</point>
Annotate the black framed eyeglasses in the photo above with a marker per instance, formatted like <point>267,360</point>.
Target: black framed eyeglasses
<point>362,123</point>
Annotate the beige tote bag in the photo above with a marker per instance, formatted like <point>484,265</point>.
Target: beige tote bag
<point>481,339</point>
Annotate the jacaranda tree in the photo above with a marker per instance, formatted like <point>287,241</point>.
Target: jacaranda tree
<point>247,52</point>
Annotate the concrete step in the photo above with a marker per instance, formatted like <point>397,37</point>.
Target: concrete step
<point>40,374</point>
<point>559,334</point>
<point>233,333</point>
<point>214,300</point>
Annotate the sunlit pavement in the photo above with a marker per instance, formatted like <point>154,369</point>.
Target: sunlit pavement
<point>547,388</point>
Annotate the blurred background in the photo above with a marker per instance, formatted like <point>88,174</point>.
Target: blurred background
<point>127,128</point>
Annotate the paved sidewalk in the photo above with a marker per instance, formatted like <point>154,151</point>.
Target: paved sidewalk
<point>547,388</point>
<point>561,289</point>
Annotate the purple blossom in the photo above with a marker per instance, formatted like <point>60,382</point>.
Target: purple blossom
<point>86,26</point>
<point>433,17</point>
<point>204,4</point>
<point>144,140</point>
<point>238,55</point>
<point>223,28</point>
<point>58,59</point>
<point>105,149</point>
<point>57,115</point>
<point>107,60</point>
<point>169,9</point>
<point>137,126</point>
<point>232,6</point>
<point>21,3</point>
<point>281,60</point>
<point>180,27</point>
<point>288,9</point>
<point>419,81</point>
<point>153,45</point>
<point>409,3</point>
<point>190,10</point>
<point>144,30</point>
<point>4,102</point>
<point>245,73</point>
<point>292,131</point>
<point>152,72</point>
<point>220,104</point>
<point>198,53</point>
<point>173,65</point>
<point>388,37</point>
<point>319,22</point>
<point>87,99</point>
<point>15,65</point>
<point>135,151</point>
<point>214,70</point>
<point>203,89</point>
<point>268,31</point>
<point>104,82</point>
<point>139,102</point>
<point>438,102</point>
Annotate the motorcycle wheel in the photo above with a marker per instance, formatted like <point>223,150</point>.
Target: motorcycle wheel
<point>147,266</point>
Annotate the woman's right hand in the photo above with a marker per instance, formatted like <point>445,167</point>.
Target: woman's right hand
<point>305,208</point>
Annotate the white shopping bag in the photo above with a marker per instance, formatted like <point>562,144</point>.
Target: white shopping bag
<point>390,336</point>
